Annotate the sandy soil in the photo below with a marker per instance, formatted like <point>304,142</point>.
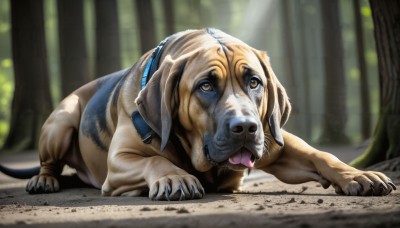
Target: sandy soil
<point>264,202</point>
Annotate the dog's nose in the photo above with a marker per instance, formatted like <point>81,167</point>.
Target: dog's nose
<point>242,126</point>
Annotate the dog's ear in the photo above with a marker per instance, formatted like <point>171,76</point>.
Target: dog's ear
<point>278,106</point>
<point>157,101</point>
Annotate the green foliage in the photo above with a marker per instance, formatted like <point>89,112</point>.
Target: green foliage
<point>6,70</point>
<point>6,91</point>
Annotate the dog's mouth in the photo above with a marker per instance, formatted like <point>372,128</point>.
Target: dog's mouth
<point>241,159</point>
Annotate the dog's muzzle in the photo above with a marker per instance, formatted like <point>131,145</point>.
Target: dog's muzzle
<point>239,145</point>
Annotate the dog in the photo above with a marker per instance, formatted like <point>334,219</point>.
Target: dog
<point>191,116</point>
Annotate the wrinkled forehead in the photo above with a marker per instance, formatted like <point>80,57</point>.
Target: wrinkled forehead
<point>236,51</point>
<point>242,57</point>
<point>224,60</point>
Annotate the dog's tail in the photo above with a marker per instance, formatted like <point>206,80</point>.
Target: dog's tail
<point>20,173</point>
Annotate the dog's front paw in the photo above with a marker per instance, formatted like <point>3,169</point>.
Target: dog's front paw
<point>176,187</point>
<point>364,183</point>
<point>42,184</point>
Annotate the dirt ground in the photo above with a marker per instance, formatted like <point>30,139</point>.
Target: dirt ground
<point>264,202</point>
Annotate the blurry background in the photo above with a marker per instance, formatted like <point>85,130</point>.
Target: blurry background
<point>322,51</point>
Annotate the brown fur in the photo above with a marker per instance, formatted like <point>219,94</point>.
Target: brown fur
<point>175,108</point>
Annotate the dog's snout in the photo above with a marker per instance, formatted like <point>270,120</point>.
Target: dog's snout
<point>241,126</point>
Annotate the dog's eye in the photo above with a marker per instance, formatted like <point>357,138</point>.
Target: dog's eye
<point>206,86</point>
<point>254,83</point>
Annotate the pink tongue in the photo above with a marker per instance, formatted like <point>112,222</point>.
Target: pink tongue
<point>242,157</point>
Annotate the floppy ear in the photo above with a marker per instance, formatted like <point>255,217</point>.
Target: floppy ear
<point>156,101</point>
<point>278,107</point>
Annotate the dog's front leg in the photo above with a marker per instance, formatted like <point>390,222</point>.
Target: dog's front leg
<point>298,162</point>
<point>130,175</point>
<point>132,171</point>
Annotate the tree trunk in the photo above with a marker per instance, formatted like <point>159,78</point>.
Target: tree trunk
<point>31,102</point>
<point>108,57</point>
<point>385,142</point>
<point>288,55</point>
<point>169,13</point>
<point>302,67</point>
<point>335,91</point>
<point>146,25</point>
<point>73,53</point>
<point>364,91</point>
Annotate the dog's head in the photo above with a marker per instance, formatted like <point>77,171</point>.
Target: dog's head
<point>219,96</point>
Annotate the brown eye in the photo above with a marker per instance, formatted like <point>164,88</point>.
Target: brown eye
<point>254,82</point>
<point>206,87</point>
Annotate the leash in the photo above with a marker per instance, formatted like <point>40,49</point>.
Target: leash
<point>144,130</point>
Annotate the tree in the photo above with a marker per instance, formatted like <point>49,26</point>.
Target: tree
<point>364,92</point>
<point>302,66</point>
<point>385,143</point>
<point>144,9</point>
<point>168,6</point>
<point>335,90</point>
<point>31,102</point>
<point>289,71</point>
<point>108,57</point>
<point>73,53</point>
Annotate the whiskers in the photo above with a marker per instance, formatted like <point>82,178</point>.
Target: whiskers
<point>267,143</point>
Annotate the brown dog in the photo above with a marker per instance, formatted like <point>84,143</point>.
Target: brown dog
<point>212,109</point>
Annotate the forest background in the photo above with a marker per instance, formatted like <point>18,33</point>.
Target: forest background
<point>314,47</point>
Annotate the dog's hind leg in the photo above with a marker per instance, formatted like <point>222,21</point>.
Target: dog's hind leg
<point>58,138</point>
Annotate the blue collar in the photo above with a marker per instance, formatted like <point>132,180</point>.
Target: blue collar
<point>144,130</point>
<point>153,62</point>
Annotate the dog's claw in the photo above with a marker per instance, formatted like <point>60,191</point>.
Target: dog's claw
<point>182,197</point>
<point>38,188</point>
<point>176,187</point>
<point>372,189</point>
<point>392,185</point>
<point>383,187</point>
<point>338,190</point>
<point>166,193</point>
<point>365,183</point>
<point>42,184</point>
<point>192,193</point>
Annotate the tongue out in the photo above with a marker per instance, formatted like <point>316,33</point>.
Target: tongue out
<point>242,157</point>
